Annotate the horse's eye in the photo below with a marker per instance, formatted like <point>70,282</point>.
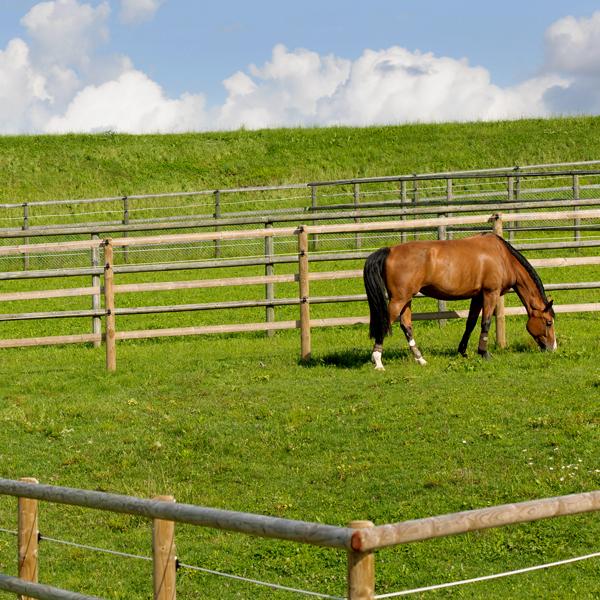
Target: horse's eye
<point>548,323</point>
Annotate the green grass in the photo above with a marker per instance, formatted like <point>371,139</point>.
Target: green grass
<point>236,422</point>
<point>84,166</point>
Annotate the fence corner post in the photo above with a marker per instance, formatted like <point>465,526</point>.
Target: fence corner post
<point>109,305</point>
<point>164,558</point>
<point>28,536</point>
<point>499,310</point>
<point>361,569</point>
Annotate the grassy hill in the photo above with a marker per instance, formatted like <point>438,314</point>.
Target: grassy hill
<point>76,166</point>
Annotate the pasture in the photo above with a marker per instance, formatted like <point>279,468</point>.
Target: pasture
<point>237,422</point>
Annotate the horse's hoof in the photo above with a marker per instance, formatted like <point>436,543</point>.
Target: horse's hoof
<point>422,361</point>
<point>485,355</point>
<point>379,368</point>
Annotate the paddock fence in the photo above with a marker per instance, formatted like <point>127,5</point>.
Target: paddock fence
<point>360,539</point>
<point>106,298</point>
<point>541,184</point>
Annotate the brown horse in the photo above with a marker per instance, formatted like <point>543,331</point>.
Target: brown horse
<point>483,268</point>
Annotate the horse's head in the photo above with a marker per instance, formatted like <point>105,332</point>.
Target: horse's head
<point>541,326</point>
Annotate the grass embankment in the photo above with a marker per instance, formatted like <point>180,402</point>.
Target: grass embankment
<point>84,166</point>
<point>235,422</point>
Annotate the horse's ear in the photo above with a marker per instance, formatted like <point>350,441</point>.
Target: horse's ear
<point>549,304</point>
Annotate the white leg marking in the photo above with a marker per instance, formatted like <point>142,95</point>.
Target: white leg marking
<point>412,343</point>
<point>421,361</point>
<point>376,358</point>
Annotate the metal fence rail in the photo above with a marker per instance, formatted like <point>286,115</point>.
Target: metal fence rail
<point>575,182</point>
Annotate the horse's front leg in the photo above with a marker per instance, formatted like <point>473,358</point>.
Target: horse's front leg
<point>406,324</point>
<point>474,310</point>
<point>489,304</point>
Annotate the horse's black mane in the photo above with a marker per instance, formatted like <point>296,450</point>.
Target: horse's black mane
<point>527,266</point>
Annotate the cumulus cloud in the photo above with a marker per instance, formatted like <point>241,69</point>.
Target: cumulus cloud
<point>136,11</point>
<point>65,32</point>
<point>56,79</point>
<point>132,102</point>
<point>22,90</point>
<point>572,48</point>
<point>385,86</point>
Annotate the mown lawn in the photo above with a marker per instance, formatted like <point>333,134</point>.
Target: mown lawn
<point>236,422</point>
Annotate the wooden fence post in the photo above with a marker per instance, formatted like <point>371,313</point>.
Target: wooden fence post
<point>449,200</point>
<point>25,239</point>
<point>269,287</point>
<point>442,235</point>
<point>125,222</point>
<point>217,214</point>
<point>164,558</point>
<point>96,321</point>
<point>403,204</point>
<point>510,187</point>
<point>576,222</point>
<point>28,538</point>
<point>305,349</point>
<point>314,242</point>
<point>361,569</point>
<point>356,195</point>
<point>109,305</point>
<point>499,310</point>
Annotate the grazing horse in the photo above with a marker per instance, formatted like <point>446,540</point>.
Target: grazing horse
<point>483,268</point>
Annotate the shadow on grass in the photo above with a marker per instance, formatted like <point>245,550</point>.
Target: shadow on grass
<point>349,359</point>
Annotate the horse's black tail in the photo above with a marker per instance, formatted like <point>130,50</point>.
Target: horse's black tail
<point>373,275</point>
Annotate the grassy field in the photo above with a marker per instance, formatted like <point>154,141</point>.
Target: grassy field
<point>236,422</point>
<point>86,166</point>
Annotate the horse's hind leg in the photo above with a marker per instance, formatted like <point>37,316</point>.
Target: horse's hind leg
<point>394,308</point>
<point>406,324</point>
<point>474,310</point>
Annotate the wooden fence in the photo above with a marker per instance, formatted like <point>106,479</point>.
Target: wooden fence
<point>360,539</point>
<point>111,289</point>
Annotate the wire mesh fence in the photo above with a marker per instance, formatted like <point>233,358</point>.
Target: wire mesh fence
<point>357,200</point>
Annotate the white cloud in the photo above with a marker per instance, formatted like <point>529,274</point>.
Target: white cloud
<point>59,81</point>
<point>22,90</point>
<point>572,48</point>
<point>66,32</point>
<point>131,103</point>
<point>386,86</point>
<point>573,45</point>
<point>136,11</point>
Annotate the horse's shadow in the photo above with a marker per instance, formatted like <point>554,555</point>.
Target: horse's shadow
<point>350,359</point>
<point>356,359</point>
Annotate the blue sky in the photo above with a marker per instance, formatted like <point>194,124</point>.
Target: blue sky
<point>175,65</point>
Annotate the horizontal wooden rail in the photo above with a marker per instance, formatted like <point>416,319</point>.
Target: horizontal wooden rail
<point>231,281</point>
<point>248,523</point>
<point>51,340</point>
<point>292,231</point>
<point>45,294</point>
<point>474,520</point>
<point>27,589</point>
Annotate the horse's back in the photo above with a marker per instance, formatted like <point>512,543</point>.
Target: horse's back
<point>446,269</point>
